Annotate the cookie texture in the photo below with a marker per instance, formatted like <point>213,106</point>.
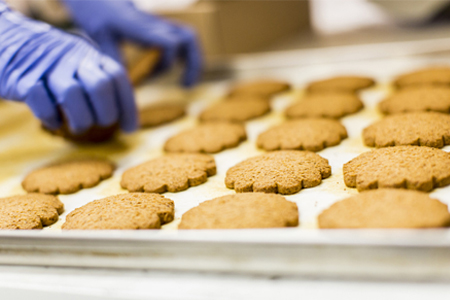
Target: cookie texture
<point>32,211</point>
<point>248,210</point>
<point>341,84</point>
<point>264,88</point>
<point>236,110</point>
<point>125,211</point>
<point>407,167</point>
<point>325,105</point>
<point>69,176</point>
<point>209,137</point>
<point>417,99</point>
<point>433,76</point>
<point>430,129</point>
<point>169,173</point>
<point>160,114</point>
<point>284,172</point>
<point>386,208</point>
<point>312,134</point>
<point>93,135</point>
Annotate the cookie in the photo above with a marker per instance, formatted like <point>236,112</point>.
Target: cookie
<point>93,135</point>
<point>424,98</point>
<point>249,210</point>
<point>312,134</point>
<point>284,172</point>
<point>386,208</point>
<point>407,167</point>
<point>430,129</point>
<point>434,76</point>
<point>68,177</point>
<point>349,84</point>
<point>125,211</point>
<point>265,88</point>
<point>235,110</point>
<point>325,105</point>
<point>245,97</point>
<point>169,173</point>
<point>160,114</point>
<point>208,138</point>
<point>32,211</point>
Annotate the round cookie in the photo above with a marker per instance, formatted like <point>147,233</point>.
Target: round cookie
<point>68,177</point>
<point>265,88</point>
<point>125,211</point>
<point>325,105</point>
<point>425,98</point>
<point>407,167</point>
<point>312,134</point>
<point>248,210</point>
<point>245,97</point>
<point>284,172</point>
<point>31,211</point>
<point>430,129</point>
<point>434,76</point>
<point>349,84</point>
<point>235,110</point>
<point>93,135</point>
<point>160,114</point>
<point>386,208</point>
<point>207,138</point>
<point>169,173</point>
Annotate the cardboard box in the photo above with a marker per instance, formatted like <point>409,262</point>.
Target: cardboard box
<point>230,27</point>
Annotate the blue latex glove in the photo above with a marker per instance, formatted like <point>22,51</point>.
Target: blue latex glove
<point>110,22</point>
<point>54,72</point>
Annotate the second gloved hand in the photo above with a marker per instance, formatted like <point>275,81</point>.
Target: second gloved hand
<point>54,72</point>
<point>110,22</point>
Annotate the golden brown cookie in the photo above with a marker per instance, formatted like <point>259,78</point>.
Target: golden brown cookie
<point>249,210</point>
<point>312,134</point>
<point>425,98</point>
<point>430,129</point>
<point>155,115</point>
<point>386,208</point>
<point>208,138</point>
<point>32,211</point>
<point>125,211</point>
<point>264,88</point>
<point>93,135</point>
<point>325,105</point>
<point>284,172</point>
<point>68,177</point>
<point>245,97</point>
<point>407,167</point>
<point>348,84</point>
<point>434,76</point>
<point>235,110</point>
<point>169,173</point>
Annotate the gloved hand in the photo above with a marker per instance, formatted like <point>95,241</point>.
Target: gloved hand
<point>55,72</point>
<point>110,22</point>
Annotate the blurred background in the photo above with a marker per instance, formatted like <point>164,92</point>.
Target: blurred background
<point>231,27</point>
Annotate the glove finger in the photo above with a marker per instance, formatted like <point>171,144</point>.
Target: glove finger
<point>124,94</point>
<point>192,55</point>
<point>43,106</point>
<point>25,72</point>
<point>99,89</point>
<point>109,46</point>
<point>70,99</point>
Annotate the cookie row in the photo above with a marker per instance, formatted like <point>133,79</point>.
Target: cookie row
<point>384,208</point>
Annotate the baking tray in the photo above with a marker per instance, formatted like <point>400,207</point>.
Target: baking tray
<point>303,250</point>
